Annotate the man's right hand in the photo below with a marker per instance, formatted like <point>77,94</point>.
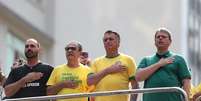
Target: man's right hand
<point>117,67</point>
<point>164,61</point>
<point>33,76</point>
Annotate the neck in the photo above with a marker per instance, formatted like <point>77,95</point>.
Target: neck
<point>73,64</point>
<point>32,61</point>
<point>112,54</point>
<point>162,51</point>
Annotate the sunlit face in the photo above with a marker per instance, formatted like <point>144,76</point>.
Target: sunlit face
<point>72,51</point>
<point>31,49</point>
<point>111,42</point>
<point>162,40</point>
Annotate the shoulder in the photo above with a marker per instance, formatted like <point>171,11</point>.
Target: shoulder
<point>83,67</point>
<point>45,65</point>
<point>98,59</point>
<point>178,57</point>
<point>125,56</point>
<point>149,57</point>
<point>62,66</point>
<point>19,69</point>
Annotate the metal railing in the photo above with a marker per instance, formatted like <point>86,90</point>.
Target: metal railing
<point>105,93</point>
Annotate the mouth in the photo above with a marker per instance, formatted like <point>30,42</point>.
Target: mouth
<point>108,45</point>
<point>70,54</point>
<point>29,52</point>
<point>161,42</point>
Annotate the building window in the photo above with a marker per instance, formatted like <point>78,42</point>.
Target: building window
<point>15,49</point>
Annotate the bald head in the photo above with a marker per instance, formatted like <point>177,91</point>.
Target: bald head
<point>31,40</point>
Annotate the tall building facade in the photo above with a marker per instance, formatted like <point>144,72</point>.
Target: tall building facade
<point>194,38</point>
<point>20,20</point>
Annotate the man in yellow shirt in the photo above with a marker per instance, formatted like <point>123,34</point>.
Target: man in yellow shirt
<point>114,71</point>
<point>70,77</point>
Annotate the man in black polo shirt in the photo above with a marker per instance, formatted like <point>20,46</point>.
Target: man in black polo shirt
<point>30,79</point>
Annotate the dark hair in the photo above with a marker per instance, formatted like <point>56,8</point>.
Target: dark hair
<point>112,32</point>
<point>164,30</point>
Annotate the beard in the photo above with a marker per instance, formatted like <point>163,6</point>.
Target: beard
<point>31,54</point>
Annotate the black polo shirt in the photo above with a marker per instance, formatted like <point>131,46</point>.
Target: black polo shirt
<point>34,88</point>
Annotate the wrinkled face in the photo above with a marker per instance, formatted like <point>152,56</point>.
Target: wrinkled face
<point>31,49</point>
<point>162,40</point>
<point>72,51</point>
<point>111,42</point>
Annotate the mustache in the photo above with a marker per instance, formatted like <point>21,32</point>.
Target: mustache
<point>29,51</point>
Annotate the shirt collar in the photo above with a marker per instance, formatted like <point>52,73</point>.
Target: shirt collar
<point>164,55</point>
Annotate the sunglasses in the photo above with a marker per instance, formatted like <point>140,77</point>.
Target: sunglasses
<point>70,48</point>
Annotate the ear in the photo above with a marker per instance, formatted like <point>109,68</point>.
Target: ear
<point>40,50</point>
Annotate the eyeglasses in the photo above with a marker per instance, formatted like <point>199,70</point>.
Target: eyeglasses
<point>70,48</point>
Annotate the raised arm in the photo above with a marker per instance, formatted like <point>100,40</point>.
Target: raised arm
<point>54,89</point>
<point>144,73</point>
<point>12,88</point>
<point>93,79</point>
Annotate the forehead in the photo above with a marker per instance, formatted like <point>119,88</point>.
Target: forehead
<point>106,35</point>
<point>162,34</point>
<point>34,42</point>
<point>72,44</point>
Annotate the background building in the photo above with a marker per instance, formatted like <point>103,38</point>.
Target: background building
<point>56,22</point>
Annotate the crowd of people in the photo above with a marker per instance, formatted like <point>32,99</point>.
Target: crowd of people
<point>112,71</point>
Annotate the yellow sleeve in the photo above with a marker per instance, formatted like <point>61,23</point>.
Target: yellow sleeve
<point>192,91</point>
<point>199,88</point>
<point>92,87</point>
<point>93,67</point>
<point>195,90</point>
<point>131,68</point>
<point>52,78</point>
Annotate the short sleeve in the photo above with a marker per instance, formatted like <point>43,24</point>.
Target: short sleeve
<point>131,68</point>
<point>52,78</point>
<point>142,63</point>
<point>11,78</point>
<point>87,72</point>
<point>183,71</point>
<point>93,67</point>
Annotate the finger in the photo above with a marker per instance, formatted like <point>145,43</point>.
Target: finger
<point>39,74</point>
<point>123,67</point>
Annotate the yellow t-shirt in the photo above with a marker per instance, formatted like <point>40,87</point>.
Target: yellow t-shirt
<point>195,90</point>
<point>79,74</point>
<point>117,81</point>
